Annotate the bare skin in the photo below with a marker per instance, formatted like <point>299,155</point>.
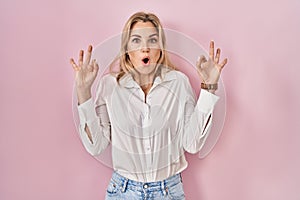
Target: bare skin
<point>210,70</point>
<point>144,44</point>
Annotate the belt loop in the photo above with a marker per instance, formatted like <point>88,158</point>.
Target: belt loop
<point>124,185</point>
<point>163,187</point>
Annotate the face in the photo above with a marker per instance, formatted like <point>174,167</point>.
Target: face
<point>143,47</point>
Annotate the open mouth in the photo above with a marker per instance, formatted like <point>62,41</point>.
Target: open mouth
<point>146,61</point>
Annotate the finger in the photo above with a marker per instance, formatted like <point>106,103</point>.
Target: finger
<point>75,67</point>
<point>201,60</point>
<point>88,55</point>
<point>222,64</point>
<point>92,66</point>
<point>211,50</point>
<point>96,66</point>
<point>217,58</point>
<point>80,61</point>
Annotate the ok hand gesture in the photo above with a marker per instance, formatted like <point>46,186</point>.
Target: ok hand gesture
<point>85,74</point>
<point>210,70</point>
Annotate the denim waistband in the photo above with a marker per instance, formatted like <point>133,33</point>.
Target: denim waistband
<point>142,186</point>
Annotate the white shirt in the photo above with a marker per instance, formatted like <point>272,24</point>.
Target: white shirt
<point>148,136</point>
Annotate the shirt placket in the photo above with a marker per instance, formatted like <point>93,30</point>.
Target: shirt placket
<point>147,137</point>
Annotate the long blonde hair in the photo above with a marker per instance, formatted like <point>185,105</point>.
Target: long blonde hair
<point>124,60</point>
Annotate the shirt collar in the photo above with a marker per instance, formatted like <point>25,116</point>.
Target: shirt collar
<point>164,75</point>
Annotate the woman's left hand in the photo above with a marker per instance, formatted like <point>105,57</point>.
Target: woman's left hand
<point>210,70</point>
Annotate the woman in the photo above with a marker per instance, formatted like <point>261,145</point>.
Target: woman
<point>147,111</point>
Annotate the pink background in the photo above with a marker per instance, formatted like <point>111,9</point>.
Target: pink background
<point>257,156</point>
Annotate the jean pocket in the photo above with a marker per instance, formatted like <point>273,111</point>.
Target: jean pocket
<point>175,192</point>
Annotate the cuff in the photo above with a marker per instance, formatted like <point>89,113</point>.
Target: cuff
<point>86,111</point>
<point>206,101</point>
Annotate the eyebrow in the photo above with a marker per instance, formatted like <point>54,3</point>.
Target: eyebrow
<point>152,35</point>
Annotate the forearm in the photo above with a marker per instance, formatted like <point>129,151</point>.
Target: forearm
<point>94,128</point>
<point>83,95</point>
<point>87,130</point>
<point>198,121</point>
<point>196,132</point>
<point>95,137</point>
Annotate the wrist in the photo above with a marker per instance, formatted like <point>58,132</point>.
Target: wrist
<point>83,95</point>
<point>208,86</point>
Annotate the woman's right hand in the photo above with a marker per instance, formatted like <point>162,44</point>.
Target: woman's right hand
<point>85,74</point>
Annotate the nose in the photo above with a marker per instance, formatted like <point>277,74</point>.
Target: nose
<point>145,47</point>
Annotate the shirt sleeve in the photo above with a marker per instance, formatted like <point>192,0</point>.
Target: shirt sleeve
<point>197,119</point>
<point>94,115</point>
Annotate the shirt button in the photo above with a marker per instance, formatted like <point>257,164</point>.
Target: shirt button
<point>145,186</point>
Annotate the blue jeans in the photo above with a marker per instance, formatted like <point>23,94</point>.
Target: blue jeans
<point>122,188</point>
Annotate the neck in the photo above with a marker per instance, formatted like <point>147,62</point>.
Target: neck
<point>145,81</point>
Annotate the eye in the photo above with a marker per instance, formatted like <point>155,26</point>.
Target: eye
<point>135,40</point>
<point>153,40</point>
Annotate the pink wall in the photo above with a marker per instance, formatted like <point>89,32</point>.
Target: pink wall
<point>257,156</point>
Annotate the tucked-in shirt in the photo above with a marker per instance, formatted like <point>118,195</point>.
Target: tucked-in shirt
<point>149,133</point>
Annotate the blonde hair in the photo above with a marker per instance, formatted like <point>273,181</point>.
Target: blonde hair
<point>124,60</point>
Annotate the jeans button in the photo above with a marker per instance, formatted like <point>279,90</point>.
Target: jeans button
<point>145,186</point>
